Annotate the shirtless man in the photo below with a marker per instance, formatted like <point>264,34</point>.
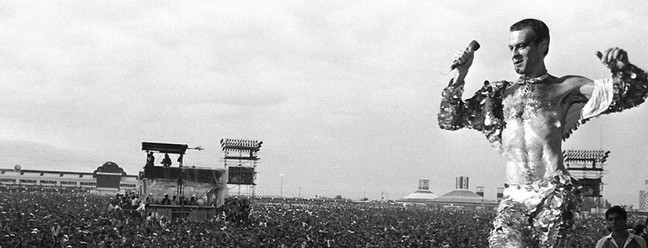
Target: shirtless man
<point>527,120</point>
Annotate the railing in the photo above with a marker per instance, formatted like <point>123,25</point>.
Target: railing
<point>192,213</point>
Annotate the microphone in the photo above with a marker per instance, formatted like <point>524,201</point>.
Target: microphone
<point>473,46</point>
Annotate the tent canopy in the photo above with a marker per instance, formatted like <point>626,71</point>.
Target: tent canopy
<point>165,147</point>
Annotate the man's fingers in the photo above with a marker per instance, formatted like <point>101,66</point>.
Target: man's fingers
<point>623,56</point>
<point>608,55</point>
<point>462,56</point>
<point>467,55</point>
<point>613,58</point>
<point>616,53</point>
<point>458,56</point>
<point>603,56</point>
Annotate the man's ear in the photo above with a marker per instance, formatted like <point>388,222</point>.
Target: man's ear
<point>544,46</point>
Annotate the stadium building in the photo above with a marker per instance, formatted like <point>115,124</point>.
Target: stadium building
<point>108,178</point>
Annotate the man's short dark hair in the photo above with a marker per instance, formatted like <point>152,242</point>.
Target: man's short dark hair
<point>617,210</point>
<point>538,27</point>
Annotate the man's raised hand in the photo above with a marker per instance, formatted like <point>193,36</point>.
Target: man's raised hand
<point>463,59</point>
<point>614,58</point>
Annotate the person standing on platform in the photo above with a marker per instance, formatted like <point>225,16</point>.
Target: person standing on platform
<point>180,158</point>
<point>166,200</point>
<point>166,162</point>
<point>150,159</point>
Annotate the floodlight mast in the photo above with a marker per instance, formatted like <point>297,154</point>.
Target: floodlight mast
<point>247,149</point>
<point>587,167</point>
<point>240,158</point>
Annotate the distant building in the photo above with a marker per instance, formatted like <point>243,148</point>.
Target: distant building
<point>463,197</point>
<point>460,197</point>
<point>422,195</point>
<point>643,197</point>
<point>18,177</point>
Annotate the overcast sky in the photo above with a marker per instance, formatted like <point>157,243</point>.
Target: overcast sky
<point>343,94</point>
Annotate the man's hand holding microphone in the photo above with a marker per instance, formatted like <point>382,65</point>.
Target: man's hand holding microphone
<point>462,61</point>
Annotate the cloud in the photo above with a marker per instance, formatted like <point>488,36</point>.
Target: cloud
<point>32,155</point>
<point>329,84</point>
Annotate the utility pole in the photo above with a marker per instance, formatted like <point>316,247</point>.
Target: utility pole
<point>281,189</point>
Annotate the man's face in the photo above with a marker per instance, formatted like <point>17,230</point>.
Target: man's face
<point>526,55</point>
<point>615,222</point>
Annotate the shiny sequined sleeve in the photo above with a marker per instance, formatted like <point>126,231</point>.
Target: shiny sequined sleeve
<point>630,88</point>
<point>626,89</point>
<point>482,112</point>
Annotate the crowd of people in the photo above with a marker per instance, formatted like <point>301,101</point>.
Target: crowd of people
<point>37,218</point>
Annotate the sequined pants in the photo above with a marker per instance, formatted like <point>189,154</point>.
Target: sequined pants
<point>537,215</point>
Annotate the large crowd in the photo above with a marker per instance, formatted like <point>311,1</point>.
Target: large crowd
<point>37,218</point>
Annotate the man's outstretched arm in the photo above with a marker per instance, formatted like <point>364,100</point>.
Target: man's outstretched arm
<point>454,113</point>
<point>482,112</point>
<point>627,88</point>
<point>630,83</point>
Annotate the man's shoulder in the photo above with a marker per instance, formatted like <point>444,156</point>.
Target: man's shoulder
<point>604,238</point>
<point>639,239</point>
<point>601,242</point>
<point>571,80</point>
<point>572,83</point>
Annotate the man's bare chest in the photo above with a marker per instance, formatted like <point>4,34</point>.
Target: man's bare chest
<point>531,102</point>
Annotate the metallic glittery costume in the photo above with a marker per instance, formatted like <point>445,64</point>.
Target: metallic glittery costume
<point>539,209</point>
<point>535,214</point>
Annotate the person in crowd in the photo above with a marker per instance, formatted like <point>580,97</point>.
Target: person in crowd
<point>644,233</point>
<point>616,218</point>
<point>27,216</point>
<point>637,228</point>
<point>126,201</point>
<point>149,199</point>
<point>135,202</point>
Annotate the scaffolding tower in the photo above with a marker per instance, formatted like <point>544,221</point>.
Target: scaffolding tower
<point>240,160</point>
<point>587,167</point>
